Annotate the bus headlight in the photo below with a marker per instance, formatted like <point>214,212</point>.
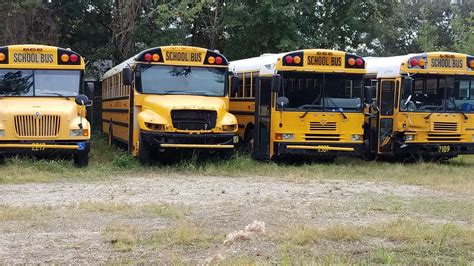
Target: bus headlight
<point>472,137</point>
<point>2,132</point>
<point>153,126</point>
<point>409,137</point>
<point>79,132</point>
<point>229,127</point>
<point>284,136</point>
<point>356,137</point>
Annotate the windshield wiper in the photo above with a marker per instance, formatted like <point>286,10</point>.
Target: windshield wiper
<point>171,91</point>
<point>432,112</point>
<point>337,108</point>
<point>56,93</point>
<point>455,106</point>
<point>314,101</point>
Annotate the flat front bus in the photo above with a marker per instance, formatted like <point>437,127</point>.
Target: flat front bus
<point>169,99</point>
<point>302,103</point>
<point>41,109</point>
<point>424,106</point>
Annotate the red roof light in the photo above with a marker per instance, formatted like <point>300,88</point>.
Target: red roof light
<point>148,57</point>
<point>289,59</point>
<point>73,58</point>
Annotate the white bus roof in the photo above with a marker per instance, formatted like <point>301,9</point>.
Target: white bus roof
<point>265,64</point>
<point>385,67</point>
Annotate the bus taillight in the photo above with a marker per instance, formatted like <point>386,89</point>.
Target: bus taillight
<point>65,58</point>
<point>414,62</point>
<point>73,58</point>
<point>289,59</point>
<point>218,60</point>
<point>211,60</point>
<point>470,62</point>
<point>148,57</point>
<point>155,57</point>
<point>359,61</point>
<point>297,59</point>
<point>2,57</point>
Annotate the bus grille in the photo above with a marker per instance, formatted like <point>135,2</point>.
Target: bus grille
<point>445,126</point>
<point>322,137</point>
<point>443,137</point>
<point>32,126</point>
<point>194,119</point>
<point>329,126</point>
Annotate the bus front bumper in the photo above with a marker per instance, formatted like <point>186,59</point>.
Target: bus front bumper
<point>436,149</point>
<point>191,141</point>
<point>44,147</point>
<point>318,149</point>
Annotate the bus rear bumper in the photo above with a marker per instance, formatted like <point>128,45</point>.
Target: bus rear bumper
<point>44,147</point>
<point>318,149</point>
<point>436,149</point>
<point>191,141</point>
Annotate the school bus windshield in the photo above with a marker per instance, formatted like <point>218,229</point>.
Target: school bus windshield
<point>182,80</point>
<point>322,92</point>
<point>24,82</point>
<point>439,94</point>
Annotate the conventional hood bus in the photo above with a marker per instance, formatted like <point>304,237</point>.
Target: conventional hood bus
<point>42,110</point>
<point>306,103</point>
<point>423,106</point>
<point>169,99</point>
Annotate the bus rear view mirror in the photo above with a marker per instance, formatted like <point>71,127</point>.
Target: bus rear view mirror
<point>276,83</point>
<point>82,99</point>
<point>127,76</point>
<point>407,85</point>
<point>234,88</point>
<point>282,102</point>
<point>89,89</point>
<point>368,94</point>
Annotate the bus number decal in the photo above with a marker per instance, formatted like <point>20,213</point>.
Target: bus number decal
<point>38,147</point>
<point>444,149</point>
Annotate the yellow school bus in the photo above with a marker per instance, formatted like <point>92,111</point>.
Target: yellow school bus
<point>167,99</point>
<point>423,107</point>
<point>42,110</point>
<point>300,103</point>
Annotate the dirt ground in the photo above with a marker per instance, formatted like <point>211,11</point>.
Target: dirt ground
<point>59,229</point>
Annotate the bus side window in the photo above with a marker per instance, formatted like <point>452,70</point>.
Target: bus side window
<point>387,98</point>
<point>248,85</point>
<point>240,91</point>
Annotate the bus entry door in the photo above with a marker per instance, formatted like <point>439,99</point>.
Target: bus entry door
<point>263,95</point>
<point>385,102</point>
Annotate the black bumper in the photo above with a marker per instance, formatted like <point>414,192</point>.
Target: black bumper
<point>43,147</point>
<point>318,149</point>
<point>163,139</point>
<point>436,149</point>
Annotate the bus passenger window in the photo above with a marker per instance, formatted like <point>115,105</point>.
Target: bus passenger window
<point>387,98</point>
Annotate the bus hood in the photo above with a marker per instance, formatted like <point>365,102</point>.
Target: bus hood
<point>166,103</point>
<point>34,105</point>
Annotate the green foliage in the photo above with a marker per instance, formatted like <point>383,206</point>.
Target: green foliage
<point>241,29</point>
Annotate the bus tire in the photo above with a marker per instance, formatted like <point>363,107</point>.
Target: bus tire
<point>81,159</point>
<point>144,154</point>
<point>249,139</point>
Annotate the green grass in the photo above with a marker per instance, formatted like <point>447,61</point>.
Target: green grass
<point>108,163</point>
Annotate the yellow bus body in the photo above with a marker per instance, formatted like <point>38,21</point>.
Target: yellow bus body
<point>318,134</point>
<point>42,124</point>
<point>132,117</point>
<point>433,133</point>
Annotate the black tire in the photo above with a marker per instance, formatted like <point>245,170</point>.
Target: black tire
<point>81,159</point>
<point>144,153</point>
<point>249,140</point>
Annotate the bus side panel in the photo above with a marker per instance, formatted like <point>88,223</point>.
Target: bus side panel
<point>244,111</point>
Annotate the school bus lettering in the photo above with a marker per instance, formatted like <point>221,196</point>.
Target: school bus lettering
<point>33,58</point>
<point>314,60</point>
<point>446,63</point>
<point>183,56</point>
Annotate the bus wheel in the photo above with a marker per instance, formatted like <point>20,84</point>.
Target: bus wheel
<point>111,133</point>
<point>249,140</point>
<point>144,154</point>
<point>81,159</point>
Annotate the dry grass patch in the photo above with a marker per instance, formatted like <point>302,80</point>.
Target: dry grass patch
<point>122,237</point>
<point>166,210</point>
<point>302,234</point>
<point>182,236</point>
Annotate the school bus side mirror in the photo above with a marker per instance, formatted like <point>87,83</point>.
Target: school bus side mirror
<point>407,85</point>
<point>89,89</point>
<point>282,102</point>
<point>127,76</point>
<point>234,88</point>
<point>82,99</point>
<point>368,94</point>
<point>276,83</point>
